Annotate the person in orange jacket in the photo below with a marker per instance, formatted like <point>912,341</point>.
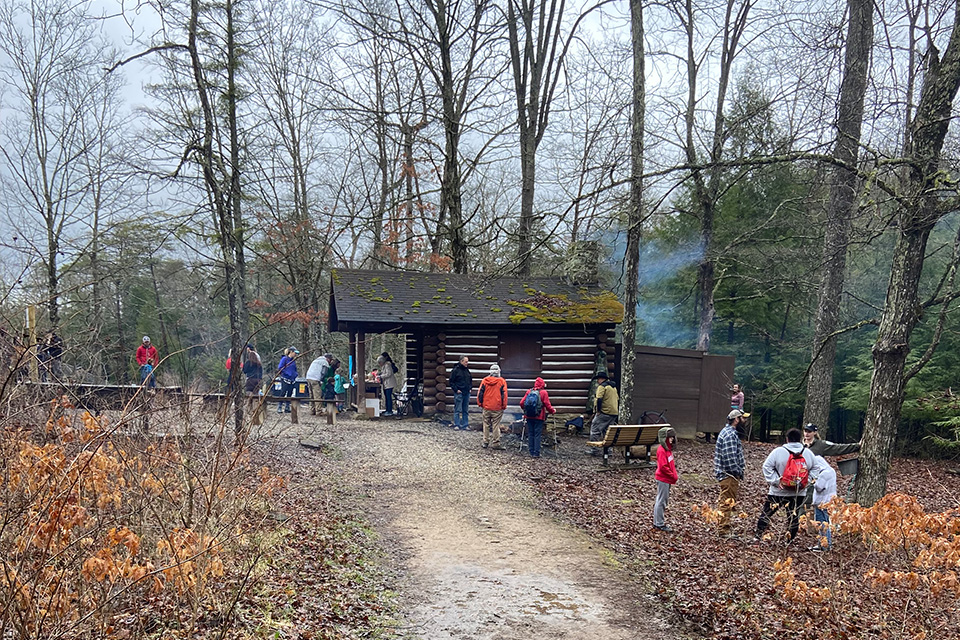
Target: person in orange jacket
<point>492,398</point>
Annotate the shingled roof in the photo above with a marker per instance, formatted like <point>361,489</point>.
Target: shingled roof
<point>399,298</point>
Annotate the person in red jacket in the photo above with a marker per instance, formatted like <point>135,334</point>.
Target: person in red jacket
<point>666,475</point>
<point>147,359</point>
<point>492,398</point>
<point>536,423</point>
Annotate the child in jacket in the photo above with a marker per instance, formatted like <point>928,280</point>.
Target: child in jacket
<point>666,475</point>
<point>824,490</point>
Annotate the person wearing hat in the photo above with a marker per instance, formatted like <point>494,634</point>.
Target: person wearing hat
<point>823,448</point>
<point>492,398</point>
<point>147,359</point>
<point>607,410</point>
<point>820,447</point>
<point>728,466</point>
<point>287,371</point>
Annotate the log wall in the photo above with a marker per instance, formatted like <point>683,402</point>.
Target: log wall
<point>566,363</point>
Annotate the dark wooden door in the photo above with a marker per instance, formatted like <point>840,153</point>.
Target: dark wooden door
<point>520,353</point>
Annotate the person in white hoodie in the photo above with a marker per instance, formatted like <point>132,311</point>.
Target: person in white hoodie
<point>316,373</point>
<point>824,490</point>
<point>788,492</point>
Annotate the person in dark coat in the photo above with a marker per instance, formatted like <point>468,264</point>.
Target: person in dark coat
<point>824,448</point>
<point>287,371</point>
<point>50,353</point>
<point>387,371</point>
<point>252,370</point>
<point>461,381</point>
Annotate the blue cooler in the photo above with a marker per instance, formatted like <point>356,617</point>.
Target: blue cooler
<point>300,390</point>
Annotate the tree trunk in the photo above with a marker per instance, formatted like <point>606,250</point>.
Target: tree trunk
<point>451,200</point>
<point>96,293</point>
<point>919,210</point>
<point>635,218</point>
<point>536,58</point>
<point>239,314</point>
<point>528,166</point>
<point>121,353</point>
<point>706,280</point>
<point>843,193</point>
<point>408,196</point>
<point>707,182</point>
<point>451,205</point>
<point>225,203</point>
<point>890,353</point>
<point>383,164</point>
<point>53,276</point>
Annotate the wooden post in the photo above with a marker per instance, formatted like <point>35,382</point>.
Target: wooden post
<point>255,409</point>
<point>295,411</point>
<point>353,395</point>
<point>361,372</point>
<point>331,410</point>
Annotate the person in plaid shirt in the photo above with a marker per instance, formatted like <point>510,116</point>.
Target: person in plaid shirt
<point>728,466</point>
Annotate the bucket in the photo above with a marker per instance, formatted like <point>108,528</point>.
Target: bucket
<point>849,467</point>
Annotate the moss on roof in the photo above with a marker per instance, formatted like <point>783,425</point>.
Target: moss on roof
<point>390,296</point>
<point>600,308</point>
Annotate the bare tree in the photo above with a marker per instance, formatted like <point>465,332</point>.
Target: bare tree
<point>52,78</point>
<point>842,201</point>
<point>708,183</point>
<point>920,203</point>
<point>635,215</point>
<point>381,100</point>
<point>204,95</point>
<point>452,39</point>
<point>538,46</point>
<point>288,146</point>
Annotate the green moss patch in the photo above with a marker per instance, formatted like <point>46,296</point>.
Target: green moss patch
<point>589,309</point>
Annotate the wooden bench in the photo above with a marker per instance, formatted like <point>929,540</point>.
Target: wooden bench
<point>626,436</point>
<point>329,407</point>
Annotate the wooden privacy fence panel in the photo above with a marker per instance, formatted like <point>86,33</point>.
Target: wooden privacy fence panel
<point>693,388</point>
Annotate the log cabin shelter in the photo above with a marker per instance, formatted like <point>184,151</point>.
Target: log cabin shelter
<point>530,327</point>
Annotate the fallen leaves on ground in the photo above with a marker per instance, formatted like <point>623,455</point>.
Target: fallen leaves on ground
<point>731,588</point>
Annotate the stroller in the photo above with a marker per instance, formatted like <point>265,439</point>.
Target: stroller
<point>405,403</point>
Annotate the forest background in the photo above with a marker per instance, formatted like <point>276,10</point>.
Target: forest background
<point>184,169</point>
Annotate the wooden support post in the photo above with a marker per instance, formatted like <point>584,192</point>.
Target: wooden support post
<point>255,410</point>
<point>361,372</point>
<point>295,411</point>
<point>331,410</point>
<point>353,396</point>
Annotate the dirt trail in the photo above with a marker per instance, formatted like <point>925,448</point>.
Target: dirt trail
<point>479,560</point>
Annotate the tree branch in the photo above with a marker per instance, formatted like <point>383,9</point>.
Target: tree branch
<point>163,47</point>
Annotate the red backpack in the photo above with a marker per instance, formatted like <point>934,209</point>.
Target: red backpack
<point>795,475</point>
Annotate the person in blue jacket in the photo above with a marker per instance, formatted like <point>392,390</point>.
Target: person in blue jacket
<point>287,372</point>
